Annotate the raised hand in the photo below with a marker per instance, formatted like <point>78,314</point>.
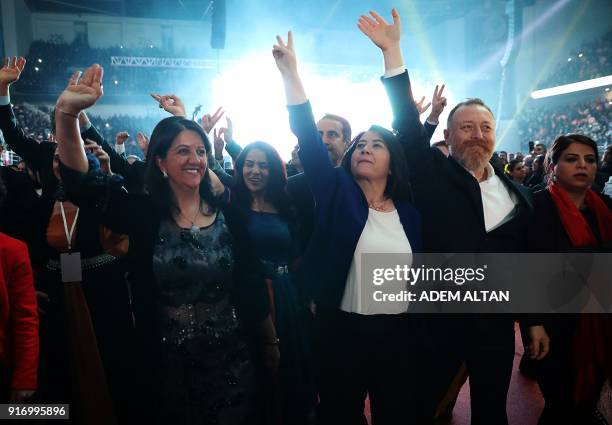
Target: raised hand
<point>99,153</point>
<point>121,137</point>
<point>11,70</point>
<point>218,144</point>
<point>82,91</point>
<point>384,35</point>
<point>209,122</point>
<point>143,142</point>
<point>228,131</point>
<point>171,103</point>
<point>420,107</point>
<point>284,55</point>
<point>438,103</point>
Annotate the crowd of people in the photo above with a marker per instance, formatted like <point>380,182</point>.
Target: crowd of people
<point>591,60</point>
<point>591,118</point>
<point>163,289</point>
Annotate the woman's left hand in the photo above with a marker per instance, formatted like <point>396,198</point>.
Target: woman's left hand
<point>539,344</point>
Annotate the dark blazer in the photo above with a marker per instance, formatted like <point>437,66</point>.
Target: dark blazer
<point>429,129</point>
<point>546,232</point>
<point>446,194</point>
<point>303,201</point>
<point>341,213</point>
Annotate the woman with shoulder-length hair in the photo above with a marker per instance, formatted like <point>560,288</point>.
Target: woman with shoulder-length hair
<point>198,293</point>
<point>362,208</point>
<point>570,217</point>
<point>259,192</point>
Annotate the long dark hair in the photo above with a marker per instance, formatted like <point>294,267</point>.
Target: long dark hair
<point>156,185</point>
<point>276,190</point>
<point>398,182</point>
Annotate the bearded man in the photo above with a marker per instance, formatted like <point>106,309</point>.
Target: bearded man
<point>467,206</point>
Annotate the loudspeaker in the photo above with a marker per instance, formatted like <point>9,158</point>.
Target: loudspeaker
<point>217,36</point>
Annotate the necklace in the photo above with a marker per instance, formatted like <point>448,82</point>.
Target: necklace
<point>380,206</point>
<point>193,229</point>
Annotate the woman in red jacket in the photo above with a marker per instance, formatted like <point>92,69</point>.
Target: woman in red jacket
<point>18,321</point>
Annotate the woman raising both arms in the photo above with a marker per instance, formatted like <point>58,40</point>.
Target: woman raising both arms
<point>362,207</point>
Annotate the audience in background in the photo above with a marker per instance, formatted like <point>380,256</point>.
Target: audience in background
<point>591,60</point>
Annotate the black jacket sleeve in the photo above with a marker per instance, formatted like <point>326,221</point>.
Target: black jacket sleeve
<point>250,292</point>
<point>27,148</point>
<point>411,133</point>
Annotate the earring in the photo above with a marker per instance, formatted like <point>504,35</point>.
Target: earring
<point>165,174</point>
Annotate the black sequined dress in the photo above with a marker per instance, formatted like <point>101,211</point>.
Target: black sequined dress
<point>207,376</point>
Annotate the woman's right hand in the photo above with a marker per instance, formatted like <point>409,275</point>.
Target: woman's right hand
<point>81,93</point>
<point>284,55</point>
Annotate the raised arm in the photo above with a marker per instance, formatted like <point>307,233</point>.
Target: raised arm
<point>27,148</point>
<point>397,83</point>
<point>81,93</point>
<point>313,153</point>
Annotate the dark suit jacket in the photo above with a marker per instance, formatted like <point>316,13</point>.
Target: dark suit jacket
<point>446,194</point>
<point>429,129</point>
<point>450,202</point>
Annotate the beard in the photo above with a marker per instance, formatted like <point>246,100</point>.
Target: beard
<point>474,156</point>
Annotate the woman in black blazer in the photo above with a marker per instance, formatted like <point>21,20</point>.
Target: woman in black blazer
<point>570,217</point>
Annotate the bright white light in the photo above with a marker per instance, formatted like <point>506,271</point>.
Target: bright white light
<point>574,87</point>
<point>255,101</point>
<point>580,55</point>
<point>607,88</point>
<point>39,60</point>
<point>36,69</point>
<point>116,82</point>
<point>569,59</point>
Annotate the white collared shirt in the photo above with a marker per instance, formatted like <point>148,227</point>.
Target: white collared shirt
<point>498,202</point>
<point>383,233</point>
